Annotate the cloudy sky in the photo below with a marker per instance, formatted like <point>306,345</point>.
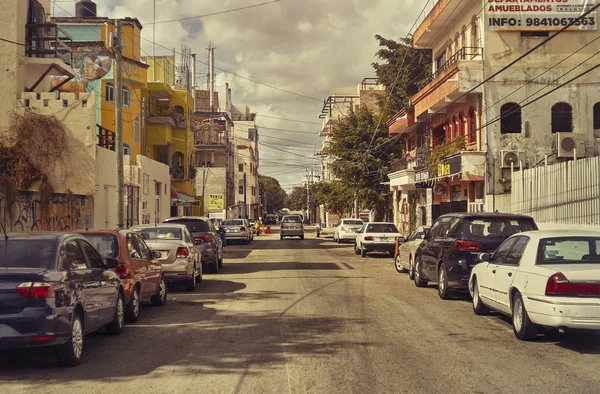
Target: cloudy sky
<point>302,46</point>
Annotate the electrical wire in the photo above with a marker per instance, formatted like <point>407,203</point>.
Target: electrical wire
<point>289,120</point>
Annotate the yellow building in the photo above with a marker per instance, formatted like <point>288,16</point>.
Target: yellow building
<point>94,73</point>
<point>170,122</point>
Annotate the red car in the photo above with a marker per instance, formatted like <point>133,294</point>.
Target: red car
<point>141,274</point>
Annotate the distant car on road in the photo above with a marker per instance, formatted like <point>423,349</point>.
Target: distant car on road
<point>541,279</point>
<point>54,289</point>
<point>347,229</point>
<point>376,237</point>
<point>207,240</point>
<point>237,230</point>
<point>452,246</point>
<point>404,256</point>
<point>140,272</point>
<point>292,226</point>
<point>178,254</point>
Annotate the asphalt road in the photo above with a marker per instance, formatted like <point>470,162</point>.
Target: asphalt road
<point>311,317</point>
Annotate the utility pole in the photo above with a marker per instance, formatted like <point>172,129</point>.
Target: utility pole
<point>245,199</point>
<point>211,75</point>
<point>116,43</point>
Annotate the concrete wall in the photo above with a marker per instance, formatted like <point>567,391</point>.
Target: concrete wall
<point>145,174</point>
<point>215,183</point>
<point>105,198</point>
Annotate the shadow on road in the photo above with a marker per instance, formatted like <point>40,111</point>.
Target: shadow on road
<point>236,269</point>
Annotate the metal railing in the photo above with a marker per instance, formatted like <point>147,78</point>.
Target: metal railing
<point>48,40</point>
<point>399,165</point>
<point>465,53</point>
<point>105,138</point>
<point>422,157</point>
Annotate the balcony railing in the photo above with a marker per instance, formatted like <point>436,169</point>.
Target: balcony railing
<point>399,165</point>
<point>48,40</point>
<point>422,158</point>
<point>465,53</point>
<point>105,138</point>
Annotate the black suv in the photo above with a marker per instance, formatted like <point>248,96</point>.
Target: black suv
<point>452,245</point>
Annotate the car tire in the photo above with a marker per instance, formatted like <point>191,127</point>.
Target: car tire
<point>160,298</point>
<point>281,237</point>
<point>221,261</point>
<point>356,250</point>
<point>214,267</point>
<point>302,237</point>
<point>479,307</point>
<point>443,291</point>
<point>411,268</point>
<point>115,327</point>
<point>132,309</point>
<point>70,353</point>
<point>190,284</point>
<point>363,251</point>
<point>523,328</point>
<point>200,274</point>
<point>419,282</point>
<point>397,264</point>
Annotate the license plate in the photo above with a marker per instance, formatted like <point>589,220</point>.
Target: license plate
<point>384,239</point>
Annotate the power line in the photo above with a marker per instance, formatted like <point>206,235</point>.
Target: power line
<point>286,140</point>
<point>11,42</point>
<point>289,120</point>
<point>291,131</point>
<point>214,13</point>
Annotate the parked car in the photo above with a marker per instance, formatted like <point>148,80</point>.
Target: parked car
<point>452,246</point>
<point>376,237</point>
<point>177,252</point>
<point>405,251</point>
<point>140,272</point>
<point>237,230</point>
<point>55,289</point>
<point>541,279</point>
<point>292,226</point>
<point>346,230</point>
<point>206,238</point>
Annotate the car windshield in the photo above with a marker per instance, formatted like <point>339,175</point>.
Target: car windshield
<point>194,225</point>
<point>232,223</point>
<point>353,222</point>
<point>27,253</point>
<point>382,228</point>
<point>497,227</point>
<point>292,219</point>
<point>106,244</point>
<point>569,250</point>
<point>161,233</point>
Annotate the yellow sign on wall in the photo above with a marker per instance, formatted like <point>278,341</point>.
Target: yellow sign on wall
<point>443,169</point>
<point>216,202</point>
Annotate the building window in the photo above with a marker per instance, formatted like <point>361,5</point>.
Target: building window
<point>510,118</point>
<point>126,149</point>
<point>157,188</point>
<point>137,130</point>
<point>241,167</point>
<point>241,190</point>
<point>474,32</point>
<point>597,116</point>
<point>109,92</point>
<point>461,124</point>
<point>440,62</point>
<point>472,126</point>
<point>126,96</point>
<point>178,166</point>
<point>562,118</point>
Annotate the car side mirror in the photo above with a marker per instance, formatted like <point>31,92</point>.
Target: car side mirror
<point>421,236</point>
<point>155,254</point>
<point>484,256</point>
<point>111,263</point>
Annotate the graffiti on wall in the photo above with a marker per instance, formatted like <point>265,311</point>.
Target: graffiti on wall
<point>61,213</point>
<point>90,65</point>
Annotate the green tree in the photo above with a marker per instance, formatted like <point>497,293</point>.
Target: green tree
<point>335,196</point>
<point>296,200</point>
<point>410,68</point>
<point>272,194</point>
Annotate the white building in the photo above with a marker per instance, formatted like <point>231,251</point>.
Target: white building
<point>247,162</point>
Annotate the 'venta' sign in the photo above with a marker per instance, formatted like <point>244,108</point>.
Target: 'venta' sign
<point>523,15</point>
<point>216,202</point>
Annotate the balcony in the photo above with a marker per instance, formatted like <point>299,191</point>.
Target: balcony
<point>458,75</point>
<point>105,138</point>
<point>401,176</point>
<point>159,131</point>
<point>470,165</point>
<point>438,20</point>
<point>401,122</point>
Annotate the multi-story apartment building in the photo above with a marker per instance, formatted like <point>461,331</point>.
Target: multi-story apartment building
<point>464,140</point>
<point>247,161</point>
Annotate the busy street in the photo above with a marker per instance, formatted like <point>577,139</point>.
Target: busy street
<point>294,316</point>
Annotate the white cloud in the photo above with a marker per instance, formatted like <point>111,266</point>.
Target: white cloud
<point>305,46</point>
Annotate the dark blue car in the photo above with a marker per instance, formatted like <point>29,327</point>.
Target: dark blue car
<point>54,289</point>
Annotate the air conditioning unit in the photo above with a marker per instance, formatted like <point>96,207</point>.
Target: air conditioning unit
<point>511,158</point>
<point>566,143</point>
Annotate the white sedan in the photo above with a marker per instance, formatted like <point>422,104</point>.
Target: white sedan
<point>376,237</point>
<point>405,254</point>
<point>541,279</point>
<point>346,230</point>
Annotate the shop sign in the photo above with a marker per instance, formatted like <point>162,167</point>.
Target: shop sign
<point>540,15</point>
<point>216,202</point>
<point>422,176</point>
<point>443,169</point>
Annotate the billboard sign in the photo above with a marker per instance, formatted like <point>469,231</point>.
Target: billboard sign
<point>538,15</point>
<point>216,202</point>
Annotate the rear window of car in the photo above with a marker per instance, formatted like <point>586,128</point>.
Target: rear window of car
<point>27,253</point>
<point>496,227</point>
<point>292,219</point>
<point>194,225</point>
<point>106,244</point>
<point>232,223</point>
<point>353,222</point>
<point>160,233</point>
<point>569,250</point>
<point>381,228</point>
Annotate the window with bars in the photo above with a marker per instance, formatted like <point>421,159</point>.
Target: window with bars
<point>157,188</point>
<point>562,118</point>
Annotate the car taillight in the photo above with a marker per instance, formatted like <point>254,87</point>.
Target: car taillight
<point>559,285</point>
<point>122,271</point>
<point>242,228</point>
<point>203,239</point>
<point>369,238</point>
<point>182,252</point>
<point>36,290</point>
<point>469,246</point>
